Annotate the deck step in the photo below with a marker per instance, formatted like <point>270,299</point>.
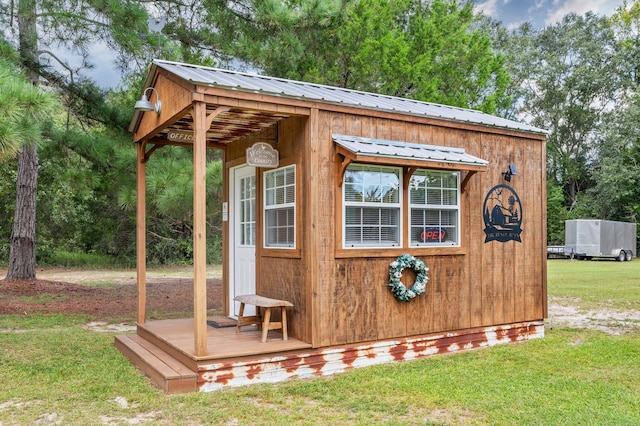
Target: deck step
<point>168,373</point>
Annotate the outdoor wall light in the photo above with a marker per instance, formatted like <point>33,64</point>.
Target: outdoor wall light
<point>144,104</point>
<point>511,170</point>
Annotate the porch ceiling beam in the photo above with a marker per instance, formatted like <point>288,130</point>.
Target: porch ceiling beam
<point>166,142</point>
<point>252,101</point>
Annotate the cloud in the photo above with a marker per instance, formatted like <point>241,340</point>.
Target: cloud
<point>537,5</point>
<point>488,8</point>
<point>561,8</point>
<point>104,72</point>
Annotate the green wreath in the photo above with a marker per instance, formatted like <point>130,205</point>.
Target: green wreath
<point>395,273</point>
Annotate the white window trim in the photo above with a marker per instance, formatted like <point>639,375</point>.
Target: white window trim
<point>267,208</point>
<point>436,207</point>
<point>250,222</point>
<point>397,206</point>
<point>405,217</point>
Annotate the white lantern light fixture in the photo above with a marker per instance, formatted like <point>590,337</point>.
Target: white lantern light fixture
<point>144,104</point>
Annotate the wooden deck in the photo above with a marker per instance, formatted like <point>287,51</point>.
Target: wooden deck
<point>165,351</point>
<point>221,342</point>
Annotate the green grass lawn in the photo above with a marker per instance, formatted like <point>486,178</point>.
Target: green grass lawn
<point>54,371</point>
<point>596,284</point>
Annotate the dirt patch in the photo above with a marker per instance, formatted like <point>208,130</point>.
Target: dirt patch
<point>114,307</point>
<point>166,298</point>
<point>566,315</point>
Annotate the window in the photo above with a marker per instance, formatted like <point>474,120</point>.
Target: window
<point>373,207</point>
<point>434,205</point>
<point>247,211</point>
<point>279,207</point>
<point>372,201</point>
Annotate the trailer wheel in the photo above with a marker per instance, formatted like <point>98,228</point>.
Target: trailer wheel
<point>622,256</point>
<point>629,256</point>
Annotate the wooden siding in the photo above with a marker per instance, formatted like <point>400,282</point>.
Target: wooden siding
<point>340,295</point>
<point>481,284</point>
<point>280,273</point>
<point>176,101</point>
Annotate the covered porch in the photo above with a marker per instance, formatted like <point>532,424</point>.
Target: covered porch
<point>179,108</point>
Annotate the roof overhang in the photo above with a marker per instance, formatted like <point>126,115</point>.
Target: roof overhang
<point>410,156</point>
<point>232,116</point>
<point>382,151</point>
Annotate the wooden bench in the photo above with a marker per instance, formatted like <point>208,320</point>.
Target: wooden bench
<point>265,320</point>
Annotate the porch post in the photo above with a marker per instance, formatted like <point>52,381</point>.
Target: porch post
<point>141,233</point>
<point>199,228</point>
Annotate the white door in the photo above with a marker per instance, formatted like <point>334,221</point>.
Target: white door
<point>242,231</point>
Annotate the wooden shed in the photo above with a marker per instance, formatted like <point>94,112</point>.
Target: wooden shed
<point>344,204</point>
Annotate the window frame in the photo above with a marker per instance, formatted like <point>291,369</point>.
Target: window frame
<point>343,250</point>
<point>457,208</point>
<point>285,206</point>
<point>248,219</point>
<point>397,206</point>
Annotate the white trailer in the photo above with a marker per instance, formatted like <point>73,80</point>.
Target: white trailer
<point>589,238</point>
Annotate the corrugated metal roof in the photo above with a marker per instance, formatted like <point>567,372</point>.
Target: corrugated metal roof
<point>246,82</point>
<point>406,150</point>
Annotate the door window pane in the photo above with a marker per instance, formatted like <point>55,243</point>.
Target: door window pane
<point>247,211</point>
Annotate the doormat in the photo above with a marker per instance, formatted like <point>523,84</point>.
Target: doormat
<point>222,322</point>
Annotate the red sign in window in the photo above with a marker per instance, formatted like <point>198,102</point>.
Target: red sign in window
<point>433,235</point>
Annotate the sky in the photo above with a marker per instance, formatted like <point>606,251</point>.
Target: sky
<point>541,13</point>
<point>512,14</point>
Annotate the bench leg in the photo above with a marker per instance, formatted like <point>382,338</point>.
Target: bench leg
<point>240,315</point>
<point>265,324</point>
<point>283,311</point>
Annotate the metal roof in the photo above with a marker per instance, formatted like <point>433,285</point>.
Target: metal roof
<point>406,150</point>
<point>255,83</point>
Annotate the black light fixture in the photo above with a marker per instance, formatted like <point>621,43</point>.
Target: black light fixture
<point>511,170</point>
<point>144,104</point>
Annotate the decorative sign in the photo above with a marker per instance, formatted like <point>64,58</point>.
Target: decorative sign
<point>262,155</point>
<point>433,235</point>
<point>180,136</point>
<point>502,212</point>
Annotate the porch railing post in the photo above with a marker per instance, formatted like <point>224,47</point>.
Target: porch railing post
<point>199,228</point>
<point>141,234</point>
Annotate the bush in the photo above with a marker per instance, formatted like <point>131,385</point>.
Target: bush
<point>65,259</point>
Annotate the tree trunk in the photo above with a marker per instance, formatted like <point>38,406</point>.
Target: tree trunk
<point>22,251</point>
<point>22,254</point>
